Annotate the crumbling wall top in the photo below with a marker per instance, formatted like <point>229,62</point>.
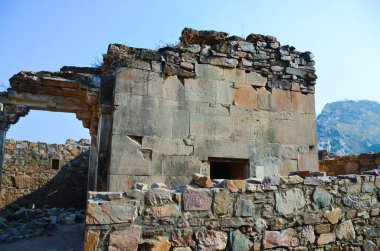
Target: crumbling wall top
<point>284,66</point>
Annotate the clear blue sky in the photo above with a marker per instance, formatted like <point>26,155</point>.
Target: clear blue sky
<point>39,35</point>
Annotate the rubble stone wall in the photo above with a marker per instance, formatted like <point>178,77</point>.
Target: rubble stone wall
<point>287,213</point>
<point>212,96</point>
<point>353,164</point>
<point>45,174</point>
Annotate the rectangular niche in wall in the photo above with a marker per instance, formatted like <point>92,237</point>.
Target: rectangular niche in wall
<point>228,168</point>
<point>55,164</point>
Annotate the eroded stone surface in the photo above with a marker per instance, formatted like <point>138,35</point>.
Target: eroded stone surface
<point>285,238</point>
<point>212,240</point>
<point>290,201</point>
<point>127,239</point>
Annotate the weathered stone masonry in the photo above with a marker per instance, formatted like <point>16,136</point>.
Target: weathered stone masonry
<point>281,213</point>
<point>160,116</point>
<point>45,174</point>
<point>213,97</point>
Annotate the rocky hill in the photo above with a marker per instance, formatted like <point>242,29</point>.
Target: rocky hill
<point>349,127</point>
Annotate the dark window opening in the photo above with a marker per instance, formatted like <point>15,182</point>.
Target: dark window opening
<point>232,169</point>
<point>55,164</point>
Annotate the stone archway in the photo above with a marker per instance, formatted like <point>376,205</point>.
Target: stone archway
<point>73,90</point>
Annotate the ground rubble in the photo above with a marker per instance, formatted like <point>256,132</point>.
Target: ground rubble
<point>19,223</point>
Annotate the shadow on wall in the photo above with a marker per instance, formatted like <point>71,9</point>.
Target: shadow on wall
<point>52,179</point>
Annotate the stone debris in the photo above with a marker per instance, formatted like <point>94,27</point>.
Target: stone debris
<point>18,223</point>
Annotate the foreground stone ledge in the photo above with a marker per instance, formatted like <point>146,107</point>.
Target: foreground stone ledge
<point>291,214</point>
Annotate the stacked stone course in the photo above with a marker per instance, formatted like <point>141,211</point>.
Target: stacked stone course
<point>281,213</point>
<point>29,178</point>
<point>353,164</point>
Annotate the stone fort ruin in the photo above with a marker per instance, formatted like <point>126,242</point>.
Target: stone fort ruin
<point>222,106</point>
<point>238,111</point>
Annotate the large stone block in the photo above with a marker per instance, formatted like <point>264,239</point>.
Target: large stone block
<point>205,126</point>
<point>290,201</point>
<point>302,103</point>
<point>287,132</point>
<point>155,85</point>
<point>127,239</point>
<point>215,109</point>
<point>222,149</point>
<point>166,146</point>
<point>280,100</point>
<point>209,72</point>
<point>212,240</point>
<point>239,242</point>
<point>143,122</point>
<point>133,81</point>
<point>181,165</point>
<point>288,166</point>
<point>244,207</point>
<point>308,162</point>
<point>181,125</point>
<point>173,88</point>
<point>157,196</point>
<point>285,238</point>
<point>112,212</point>
<point>263,99</point>
<point>245,95</point>
<point>221,202</point>
<point>130,158</point>
<point>211,91</point>
<point>307,129</point>
<point>197,200</point>
<point>322,198</point>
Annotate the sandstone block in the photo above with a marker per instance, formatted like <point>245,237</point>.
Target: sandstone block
<point>290,201</point>
<point>112,212</point>
<point>91,240</point>
<point>236,186</point>
<point>202,180</point>
<point>255,79</point>
<point>182,238</point>
<point>285,238</point>
<point>245,95</point>
<point>324,239</point>
<point>127,239</point>
<point>212,240</point>
<point>206,71</point>
<point>333,215</point>
<point>322,228</point>
<point>280,100</point>
<point>211,91</point>
<point>220,203</point>
<point>196,200</point>
<point>173,89</point>
<point>162,244</point>
<point>345,231</point>
<point>157,196</point>
<point>291,180</point>
<point>168,210</point>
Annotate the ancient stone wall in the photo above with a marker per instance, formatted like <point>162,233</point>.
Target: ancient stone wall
<point>213,96</point>
<point>45,174</point>
<point>353,164</point>
<point>281,213</point>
